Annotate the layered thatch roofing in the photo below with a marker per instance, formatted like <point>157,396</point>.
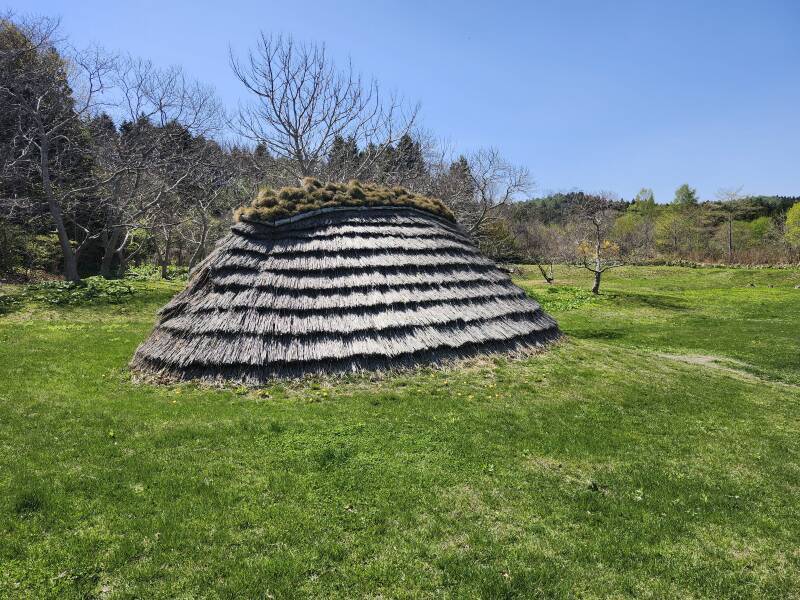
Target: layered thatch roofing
<point>339,289</point>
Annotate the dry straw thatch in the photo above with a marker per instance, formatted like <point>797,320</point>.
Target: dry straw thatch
<point>339,289</point>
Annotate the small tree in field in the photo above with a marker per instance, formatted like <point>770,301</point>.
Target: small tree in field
<point>595,215</point>
<point>729,198</point>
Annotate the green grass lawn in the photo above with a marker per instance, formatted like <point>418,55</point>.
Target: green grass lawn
<point>654,453</point>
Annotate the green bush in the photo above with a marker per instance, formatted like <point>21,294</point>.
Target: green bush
<point>9,302</point>
<point>150,272</point>
<point>43,253</point>
<point>496,241</point>
<point>12,247</point>
<point>21,250</point>
<point>793,226</point>
<point>90,290</point>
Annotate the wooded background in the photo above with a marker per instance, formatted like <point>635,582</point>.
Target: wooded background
<point>109,161</point>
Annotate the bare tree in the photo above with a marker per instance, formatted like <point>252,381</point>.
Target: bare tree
<point>161,147</point>
<point>474,186</point>
<point>215,193</point>
<point>595,215</point>
<point>728,198</point>
<point>50,89</point>
<point>301,102</point>
<point>540,244</point>
<point>495,182</point>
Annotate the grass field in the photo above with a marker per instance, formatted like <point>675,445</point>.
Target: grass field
<point>654,453</point>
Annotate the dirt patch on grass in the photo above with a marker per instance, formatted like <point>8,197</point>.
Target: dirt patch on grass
<point>728,366</point>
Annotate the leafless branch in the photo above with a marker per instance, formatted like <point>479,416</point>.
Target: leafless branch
<point>300,102</point>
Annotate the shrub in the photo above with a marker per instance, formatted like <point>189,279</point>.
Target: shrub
<point>497,242</point>
<point>150,272</point>
<point>12,247</point>
<point>91,290</point>
<point>9,302</point>
<point>44,253</point>
<point>793,226</point>
<point>20,249</point>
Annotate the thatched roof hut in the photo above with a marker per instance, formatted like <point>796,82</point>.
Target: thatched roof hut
<point>358,278</point>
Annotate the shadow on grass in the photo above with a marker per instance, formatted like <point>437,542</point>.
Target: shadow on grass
<point>28,497</point>
<point>652,301</point>
<point>597,334</point>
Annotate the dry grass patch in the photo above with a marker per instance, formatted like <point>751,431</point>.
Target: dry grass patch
<point>273,205</point>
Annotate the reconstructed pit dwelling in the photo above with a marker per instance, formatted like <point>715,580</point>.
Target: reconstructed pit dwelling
<point>334,278</point>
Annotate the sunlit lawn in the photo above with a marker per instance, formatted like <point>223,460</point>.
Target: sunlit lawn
<point>654,453</point>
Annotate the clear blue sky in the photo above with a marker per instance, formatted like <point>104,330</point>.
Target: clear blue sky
<point>596,95</point>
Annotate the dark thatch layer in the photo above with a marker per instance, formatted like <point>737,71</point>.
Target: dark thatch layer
<point>338,290</point>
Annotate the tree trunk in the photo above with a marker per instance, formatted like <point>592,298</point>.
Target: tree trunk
<point>200,252</point>
<point>596,286</point>
<point>109,250</point>
<point>165,257</point>
<point>164,264</point>
<point>730,238</point>
<point>70,260</point>
<point>598,271</point>
<point>548,277</point>
<point>123,262</point>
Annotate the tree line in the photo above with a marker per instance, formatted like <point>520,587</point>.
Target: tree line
<point>109,160</point>
<point>601,231</point>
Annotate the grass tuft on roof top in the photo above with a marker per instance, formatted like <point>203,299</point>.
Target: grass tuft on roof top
<point>271,205</point>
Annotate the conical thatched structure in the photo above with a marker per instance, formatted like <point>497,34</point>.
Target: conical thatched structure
<point>337,280</point>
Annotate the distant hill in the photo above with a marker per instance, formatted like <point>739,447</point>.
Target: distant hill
<point>556,208</point>
<point>552,209</point>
